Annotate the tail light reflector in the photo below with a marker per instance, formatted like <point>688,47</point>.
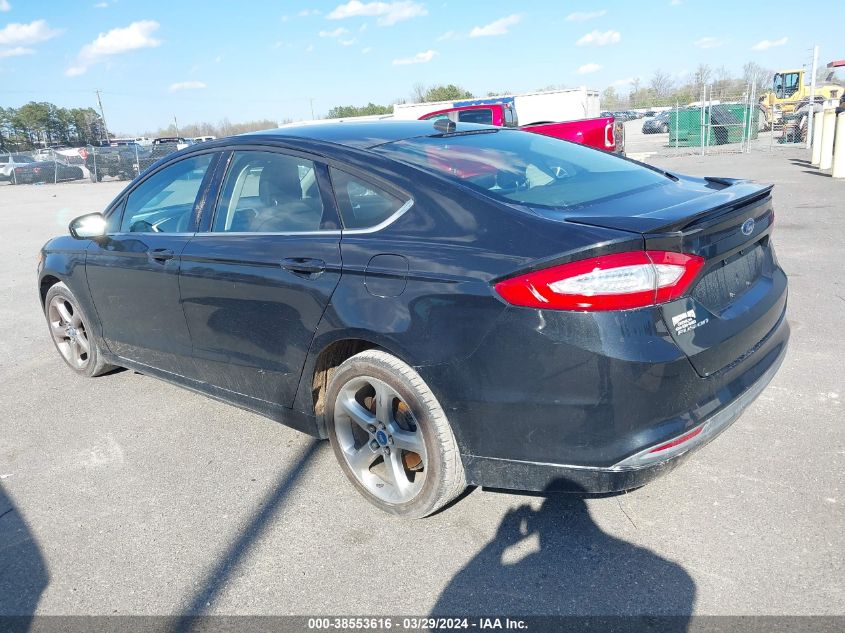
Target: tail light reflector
<point>620,281</point>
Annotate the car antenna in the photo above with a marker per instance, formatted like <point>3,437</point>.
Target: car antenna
<point>445,126</point>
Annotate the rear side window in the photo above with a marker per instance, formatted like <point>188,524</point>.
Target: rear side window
<point>268,192</point>
<point>483,116</point>
<point>363,205</point>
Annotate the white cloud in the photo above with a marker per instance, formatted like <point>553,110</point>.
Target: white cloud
<point>115,42</point>
<point>306,12</point>
<point>16,52</point>
<point>600,39</point>
<point>767,44</point>
<point>589,68</point>
<point>101,5</point>
<point>366,50</point>
<point>627,81</point>
<point>583,16</point>
<point>336,33</point>
<point>419,58</point>
<point>675,3</point>
<point>348,42</point>
<point>32,33</point>
<point>708,42</point>
<point>187,85</point>
<point>448,35</point>
<point>309,48</point>
<point>5,6</point>
<point>388,13</point>
<point>218,59</point>
<point>498,27</point>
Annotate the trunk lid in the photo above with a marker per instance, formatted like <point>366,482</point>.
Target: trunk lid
<point>740,294</point>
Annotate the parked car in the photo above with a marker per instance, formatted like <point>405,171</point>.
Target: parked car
<point>203,139</point>
<point>178,142</point>
<point>657,124</point>
<point>53,170</point>
<point>8,162</point>
<point>478,306</point>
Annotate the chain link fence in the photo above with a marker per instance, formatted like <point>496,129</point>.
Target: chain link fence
<point>93,163</point>
<point>719,122</point>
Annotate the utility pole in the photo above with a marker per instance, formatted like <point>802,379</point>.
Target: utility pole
<point>102,115</point>
<point>176,125</point>
<point>812,115</point>
<point>311,100</point>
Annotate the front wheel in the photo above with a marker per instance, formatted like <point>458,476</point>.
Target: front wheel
<point>72,334</point>
<point>391,437</point>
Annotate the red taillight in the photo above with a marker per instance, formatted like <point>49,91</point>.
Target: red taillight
<point>678,440</point>
<point>609,141</point>
<point>620,281</point>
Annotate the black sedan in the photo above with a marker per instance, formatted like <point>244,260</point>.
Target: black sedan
<point>449,306</point>
<point>658,124</point>
<point>46,171</point>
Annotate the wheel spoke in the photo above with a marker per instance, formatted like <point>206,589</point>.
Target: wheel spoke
<point>409,441</point>
<point>84,346</point>
<point>362,459</point>
<point>58,331</point>
<point>63,312</point>
<point>76,321</point>
<point>356,412</point>
<point>384,403</point>
<point>395,472</point>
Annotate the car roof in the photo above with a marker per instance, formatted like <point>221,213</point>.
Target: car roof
<point>358,134</point>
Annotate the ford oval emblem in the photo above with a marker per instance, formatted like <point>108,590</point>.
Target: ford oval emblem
<point>748,226</point>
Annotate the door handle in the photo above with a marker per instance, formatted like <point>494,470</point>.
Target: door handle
<point>304,265</point>
<point>161,254</point>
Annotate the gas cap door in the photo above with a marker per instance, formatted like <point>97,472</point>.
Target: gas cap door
<point>386,275</point>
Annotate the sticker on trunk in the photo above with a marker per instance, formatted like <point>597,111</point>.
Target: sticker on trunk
<point>686,322</point>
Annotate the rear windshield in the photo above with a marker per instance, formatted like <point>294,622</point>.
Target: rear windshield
<point>525,168</point>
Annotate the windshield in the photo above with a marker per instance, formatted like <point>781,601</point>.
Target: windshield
<point>526,168</point>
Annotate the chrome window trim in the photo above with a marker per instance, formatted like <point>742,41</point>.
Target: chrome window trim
<point>384,223</point>
<point>373,229</point>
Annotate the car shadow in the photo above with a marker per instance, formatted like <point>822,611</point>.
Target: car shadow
<point>555,561</point>
<point>216,578</point>
<point>23,571</point>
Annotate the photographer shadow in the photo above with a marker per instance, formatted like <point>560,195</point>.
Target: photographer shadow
<point>578,570</point>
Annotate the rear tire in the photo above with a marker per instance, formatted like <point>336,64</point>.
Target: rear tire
<point>391,437</point>
<point>70,330</point>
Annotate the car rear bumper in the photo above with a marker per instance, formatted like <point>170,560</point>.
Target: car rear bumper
<point>557,399</point>
<point>632,472</point>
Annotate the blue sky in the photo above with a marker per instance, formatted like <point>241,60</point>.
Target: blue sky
<point>202,61</point>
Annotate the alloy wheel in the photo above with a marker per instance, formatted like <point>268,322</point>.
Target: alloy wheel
<point>380,439</point>
<point>69,332</point>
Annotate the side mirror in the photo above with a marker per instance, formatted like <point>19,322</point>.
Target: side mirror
<point>88,227</point>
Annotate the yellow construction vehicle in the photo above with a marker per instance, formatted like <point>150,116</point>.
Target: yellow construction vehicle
<point>790,87</point>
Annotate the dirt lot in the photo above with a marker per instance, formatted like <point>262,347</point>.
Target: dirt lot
<point>127,495</point>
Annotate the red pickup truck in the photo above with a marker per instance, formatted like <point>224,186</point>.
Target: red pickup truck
<point>603,133</point>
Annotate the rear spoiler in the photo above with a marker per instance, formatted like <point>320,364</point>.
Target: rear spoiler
<point>729,194</point>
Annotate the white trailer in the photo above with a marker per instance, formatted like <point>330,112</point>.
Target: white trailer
<point>531,107</point>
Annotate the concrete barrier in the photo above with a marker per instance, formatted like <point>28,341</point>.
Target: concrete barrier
<point>829,125</point>
<point>839,148</point>
<point>816,154</point>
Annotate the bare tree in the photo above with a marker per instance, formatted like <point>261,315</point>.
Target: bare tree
<point>661,84</point>
<point>418,92</point>
<point>754,74</point>
<point>702,74</point>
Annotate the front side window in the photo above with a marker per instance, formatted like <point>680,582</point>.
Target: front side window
<point>268,192</point>
<point>363,205</point>
<point>529,169</point>
<point>164,202</point>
